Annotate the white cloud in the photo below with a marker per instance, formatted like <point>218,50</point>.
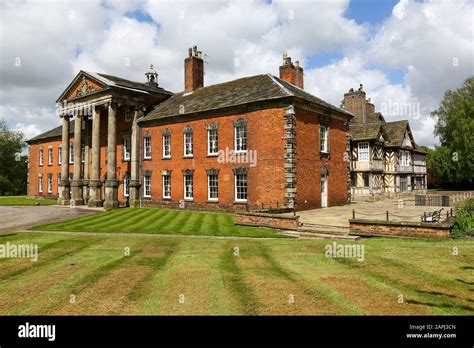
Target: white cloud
<point>55,40</point>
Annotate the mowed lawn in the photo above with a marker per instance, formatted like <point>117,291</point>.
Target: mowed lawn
<point>165,275</point>
<point>24,200</point>
<point>160,221</point>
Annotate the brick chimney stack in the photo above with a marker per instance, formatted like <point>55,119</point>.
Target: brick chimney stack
<point>356,103</point>
<point>291,73</point>
<point>193,70</point>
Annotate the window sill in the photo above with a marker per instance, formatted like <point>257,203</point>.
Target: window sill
<point>240,152</point>
<point>165,158</point>
<point>325,154</point>
<point>166,198</point>
<point>147,158</point>
<point>240,202</point>
<point>188,157</point>
<point>212,201</point>
<point>188,199</point>
<point>212,155</point>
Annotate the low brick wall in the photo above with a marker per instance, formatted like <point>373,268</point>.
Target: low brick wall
<point>267,220</point>
<point>399,229</point>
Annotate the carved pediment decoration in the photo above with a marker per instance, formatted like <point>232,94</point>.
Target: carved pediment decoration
<point>85,88</point>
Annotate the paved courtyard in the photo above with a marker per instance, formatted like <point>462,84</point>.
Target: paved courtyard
<point>14,218</point>
<point>339,216</point>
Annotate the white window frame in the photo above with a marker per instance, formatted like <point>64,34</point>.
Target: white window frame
<point>209,198</point>
<point>60,154</point>
<point>166,145</point>
<point>71,154</point>
<point>50,183</point>
<point>240,141</point>
<point>126,186</point>
<point>127,149</point>
<point>240,200</point>
<point>40,184</point>
<point>147,148</point>
<point>212,144</point>
<point>50,156</point>
<point>163,177</point>
<point>186,184</point>
<point>59,180</point>
<point>147,185</point>
<point>188,142</point>
<point>41,157</point>
<point>360,152</point>
<point>404,158</point>
<point>323,142</point>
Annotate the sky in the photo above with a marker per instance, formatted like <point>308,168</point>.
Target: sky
<point>406,53</point>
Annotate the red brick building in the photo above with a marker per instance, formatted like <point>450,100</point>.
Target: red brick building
<point>243,144</point>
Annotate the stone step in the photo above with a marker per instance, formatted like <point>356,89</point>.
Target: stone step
<point>312,225</point>
<point>314,235</point>
<point>337,230</point>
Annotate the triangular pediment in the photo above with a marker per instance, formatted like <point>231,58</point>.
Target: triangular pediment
<point>83,84</point>
<point>407,141</point>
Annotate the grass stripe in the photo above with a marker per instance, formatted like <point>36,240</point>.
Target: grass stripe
<point>232,275</point>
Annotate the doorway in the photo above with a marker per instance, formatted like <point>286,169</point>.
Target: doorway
<point>324,191</point>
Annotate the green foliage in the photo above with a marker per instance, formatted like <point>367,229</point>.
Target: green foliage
<point>464,219</point>
<point>453,161</point>
<point>13,170</point>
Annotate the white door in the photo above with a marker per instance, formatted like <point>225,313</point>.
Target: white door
<point>324,191</point>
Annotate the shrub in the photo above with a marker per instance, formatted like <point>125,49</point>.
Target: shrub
<point>464,219</point>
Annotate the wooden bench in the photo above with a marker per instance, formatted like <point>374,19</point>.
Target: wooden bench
<point>434,216</point>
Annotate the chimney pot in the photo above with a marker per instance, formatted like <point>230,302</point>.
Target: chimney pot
<point>290,72</point>
<point>193,70</point>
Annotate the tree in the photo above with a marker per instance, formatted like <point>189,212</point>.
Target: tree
<point>13,166</point>
<point>453,161</point>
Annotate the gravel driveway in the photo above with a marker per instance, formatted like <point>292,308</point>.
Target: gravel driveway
<point>15,218</point>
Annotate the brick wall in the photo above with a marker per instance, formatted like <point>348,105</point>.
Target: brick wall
<point>35,169</point>
<point>268,220</point>
<point>309,162</point>
<point>265,180</point>
<point>399,229</point>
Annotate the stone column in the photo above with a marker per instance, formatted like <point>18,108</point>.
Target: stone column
<point>94,180</point>
<point>85,184</point>
<point>64,197</point>
<point>135,161</point>
<point>76,184</point>
<point>111,184</point>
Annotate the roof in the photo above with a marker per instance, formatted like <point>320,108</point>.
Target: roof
<point>119,82</point>
<point>116,82</point>
<point>419,149</point>
<point>365,131</point>
<point>233,93</point>
<point>395,132</point>
<point>53,133</point>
